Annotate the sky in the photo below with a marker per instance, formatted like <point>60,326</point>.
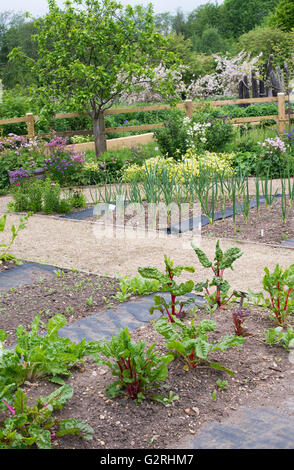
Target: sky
<point>40,7</point>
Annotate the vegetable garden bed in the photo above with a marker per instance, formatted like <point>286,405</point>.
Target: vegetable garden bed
<point>199,395</point>
<point>265,224</point>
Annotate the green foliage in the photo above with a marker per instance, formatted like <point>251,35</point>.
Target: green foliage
<point>222,384</point>
<point>138,371</point>
<point>172,138</point>
<point>76,199</point>
<point>36,196</point>
<point>28,196</point>
<point>240,16</point>
<point>196,64</point>
<point>36,356</point>
<point>168,284</point>
<point>268,40</point>
<point>210,42</point>
<point>180,133</point>
<point>191,343</point>
<point>94,66</point>
<point>51,197</point>
<point>16,30</point>
<point>284,15</point>
<point>135,286</point>
<point>15,103</point>
<point>5,247</point>
<point>222,261</point>
<point>280,286</point>
<point>35,426</point>
<point>219,133</point>
<point>278,335</point>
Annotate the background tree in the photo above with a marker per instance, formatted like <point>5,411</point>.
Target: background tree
<point>195,64</point>
<point>284,15</point>
<point>268,40</point>
<point>237,17</point>
<point>164,23</point>
<point>202,18</point>
<point>93,51</point>
<point>16,30</point>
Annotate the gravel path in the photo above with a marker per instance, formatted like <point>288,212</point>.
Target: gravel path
<point>82,245</point>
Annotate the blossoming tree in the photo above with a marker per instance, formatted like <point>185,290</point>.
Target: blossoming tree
<point>226,78</point>
<point>93,51</point>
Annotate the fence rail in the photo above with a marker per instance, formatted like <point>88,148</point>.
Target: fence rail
<point>188,106</point>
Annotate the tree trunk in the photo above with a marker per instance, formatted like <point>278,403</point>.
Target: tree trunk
<point>99,133</point>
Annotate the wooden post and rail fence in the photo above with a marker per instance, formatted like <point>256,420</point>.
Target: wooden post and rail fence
<point>188,106</point>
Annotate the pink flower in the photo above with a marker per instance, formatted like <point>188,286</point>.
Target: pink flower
<point>17,184</point>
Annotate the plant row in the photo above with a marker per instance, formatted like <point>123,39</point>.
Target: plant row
<point>139,370</point>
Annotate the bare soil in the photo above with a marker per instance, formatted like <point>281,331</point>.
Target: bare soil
<point>267,226</point>
<point>120,423</point>
<point>73,294</point>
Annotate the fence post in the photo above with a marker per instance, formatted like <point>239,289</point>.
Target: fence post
<point>189,108</point>
<point>281,112</point>
<point>30,125</point>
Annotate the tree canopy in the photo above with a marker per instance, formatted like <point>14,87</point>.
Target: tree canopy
<point>92,51</point>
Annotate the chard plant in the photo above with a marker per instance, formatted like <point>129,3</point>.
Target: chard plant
<point>29,426</point>
<point>191,344</point>
<point>280,336</point>
<point>280,286</point>
<point>138,370</point>
<point>222,261</point>
<point>36,356</point>
<point>4,254</point>
<point>174,308</point>
<point>239,315</point>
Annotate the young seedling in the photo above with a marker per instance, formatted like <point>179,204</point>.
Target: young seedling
<point>5,255</point>
<point>222,261</point>
<point>277,336</point>
<point>90,301</point>
<point>222,384</point>
<point>174,308</point>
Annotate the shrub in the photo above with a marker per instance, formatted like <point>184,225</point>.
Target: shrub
<point>51,195</point>
<point>190,166</point>
<point>172,138</point>
<point>36,196</point>
<point>273,158</point>
<point>27,196</point>
<point>207,130</point>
